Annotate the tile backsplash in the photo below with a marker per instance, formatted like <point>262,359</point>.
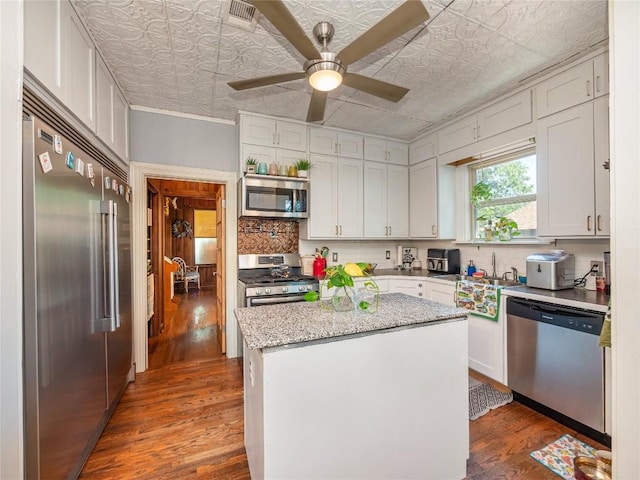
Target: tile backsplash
<point>258,236</point>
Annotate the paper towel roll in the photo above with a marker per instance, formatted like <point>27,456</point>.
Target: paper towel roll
<point>399,257</point>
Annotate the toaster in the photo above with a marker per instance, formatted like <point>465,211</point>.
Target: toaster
<point>443,260</point>
<point>551,271</point>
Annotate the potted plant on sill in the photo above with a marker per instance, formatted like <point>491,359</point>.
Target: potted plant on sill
<point>504,228</point>
<point>251,165</point>
<point>303,167</point>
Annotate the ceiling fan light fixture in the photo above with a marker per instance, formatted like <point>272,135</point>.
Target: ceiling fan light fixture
<point>326,74</point>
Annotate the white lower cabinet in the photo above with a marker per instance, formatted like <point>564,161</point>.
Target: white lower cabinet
<point>441,292</point>
<point>386,200</point>
<point>412,287</point>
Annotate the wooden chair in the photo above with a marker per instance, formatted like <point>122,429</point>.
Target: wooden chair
<point>186,274</point>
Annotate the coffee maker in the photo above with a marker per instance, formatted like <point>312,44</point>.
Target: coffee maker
<point>409,254</point>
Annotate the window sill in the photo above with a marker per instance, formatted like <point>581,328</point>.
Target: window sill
<point>524,241</point>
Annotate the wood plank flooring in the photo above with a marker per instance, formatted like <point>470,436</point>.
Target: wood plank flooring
<point>184,420</point>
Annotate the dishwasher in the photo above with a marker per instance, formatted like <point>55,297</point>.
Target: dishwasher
<point>554,359</point>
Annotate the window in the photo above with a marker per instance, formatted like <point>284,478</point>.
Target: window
<point>204,223</point>
<point>511,182</point>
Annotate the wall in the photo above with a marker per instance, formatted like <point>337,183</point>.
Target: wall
<point>173,140</point>
<point>11,411</point>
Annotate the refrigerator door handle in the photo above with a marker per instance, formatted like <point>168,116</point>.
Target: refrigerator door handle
<point>116,280</point>
<point>107,209</point>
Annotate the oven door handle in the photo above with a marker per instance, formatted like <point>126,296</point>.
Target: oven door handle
<point>257,301</point>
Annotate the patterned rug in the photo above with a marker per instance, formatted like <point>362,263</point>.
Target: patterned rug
<point>483,398</point>
<point>558,456</point>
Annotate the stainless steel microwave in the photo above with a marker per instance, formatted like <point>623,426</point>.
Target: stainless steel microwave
<point>264,196</point>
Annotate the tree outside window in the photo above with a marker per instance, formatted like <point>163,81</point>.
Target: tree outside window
<point>510,193</point>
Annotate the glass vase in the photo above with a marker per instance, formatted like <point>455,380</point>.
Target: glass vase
<point>343,299</point>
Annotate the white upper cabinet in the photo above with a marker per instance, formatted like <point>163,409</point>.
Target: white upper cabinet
<point>572,87</point>
<point>386,200</point>
<point>423,149</point>
<point>350,198</point>
<point>565,151</point>
<point>601,165</point>
<point>112,112</point>
<point>423,191</point>
<point>332,142</point>
<point>120,125</point>
<point>380,150</point>
<point>259,152</point>
<point>500,117</point>
<point>273,133</point>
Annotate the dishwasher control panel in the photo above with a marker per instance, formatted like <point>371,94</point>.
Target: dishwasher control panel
<point>566,317</point>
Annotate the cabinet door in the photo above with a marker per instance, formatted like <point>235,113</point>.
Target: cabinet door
<point>258,130</point>
<point>441,293</point>
<point>375,149</point>
<point>423,199</point>
<point>323,141</point>
<point>375,200</point>
<point>289,157</point>
<point>565,173</point>
<point>423,149</point>
<point>601,74</point>
<point>565,90</point>
<point>42,44</point>
<point>602,176</point>
<point>104,103</point>
<point>350,198</point>
<point>350,145</point>
<point>509,113</point>
<point>79,61</point>
<point>292,136</point>
<point>121,125</point>
<point>398,153</point>
<point>457,135</point>
<point>260,153</point>
<point>398,201</point>
<point>486,347</point>
<point>415,288</point>
<point>323,197</point>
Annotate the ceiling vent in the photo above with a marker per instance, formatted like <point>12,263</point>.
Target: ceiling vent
<point>240,13</point>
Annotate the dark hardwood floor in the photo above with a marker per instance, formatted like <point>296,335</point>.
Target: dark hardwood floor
<point>183,419</point>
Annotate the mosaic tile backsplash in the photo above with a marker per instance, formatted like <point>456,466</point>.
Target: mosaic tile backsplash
<point>267,236</point>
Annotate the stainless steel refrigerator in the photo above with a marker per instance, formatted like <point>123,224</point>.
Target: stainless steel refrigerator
<point>77,299</point>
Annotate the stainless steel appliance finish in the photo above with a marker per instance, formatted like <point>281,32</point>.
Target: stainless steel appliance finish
<point>551,271</point>
<point>443,260</point>
<point>77,308</point>
<point>264,196</point>
<point>553,358</point>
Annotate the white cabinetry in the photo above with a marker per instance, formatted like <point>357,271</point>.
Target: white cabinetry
<point>565,150</point>
<point>386,200</point>
<point>574,86</point>
<point>432,200</point>
<point>412,287</point>
<point>381,150</point>
<point>332,142</point>
<point>61,55</point>
<point>112,112</point>
<point>486,345</point>
<point>423,149</point>
<point>601,165</point>
<point>336,196</point>
<point>441,292</point>
<point>273,133</point>
<point>504,115</point>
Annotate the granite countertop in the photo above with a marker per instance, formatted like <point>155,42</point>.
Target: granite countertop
<point>394,272</point>
<point>573,297</point>
<point>294,323</point>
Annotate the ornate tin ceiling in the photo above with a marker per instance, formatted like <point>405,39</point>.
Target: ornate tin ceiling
<point>178,55</point>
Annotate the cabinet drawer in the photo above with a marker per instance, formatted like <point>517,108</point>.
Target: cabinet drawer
<point>565,90</point>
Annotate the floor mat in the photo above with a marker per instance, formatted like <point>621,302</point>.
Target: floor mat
<point>558,456</point>
<point>483,398</point>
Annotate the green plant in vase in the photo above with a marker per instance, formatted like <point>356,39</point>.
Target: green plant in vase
<point>251,165</point>
<point>506,229</point>
<point>346,297</point>
<point>303,167</point>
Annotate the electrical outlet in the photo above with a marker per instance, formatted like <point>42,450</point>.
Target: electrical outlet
<point>335,256</point>
<point>387,255</point>
<point>596,268</point>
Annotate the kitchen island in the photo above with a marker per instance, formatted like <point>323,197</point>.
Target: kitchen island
<point>354,395</point>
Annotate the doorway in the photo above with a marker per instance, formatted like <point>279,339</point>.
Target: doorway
<point>226,224</point>
<point>187,316</point>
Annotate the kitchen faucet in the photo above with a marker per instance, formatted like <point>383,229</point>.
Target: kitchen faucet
<point>514,274</point>
<point>493,264</point>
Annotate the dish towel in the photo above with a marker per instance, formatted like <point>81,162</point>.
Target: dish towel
<point>480,299</point>
<point>605,333</point>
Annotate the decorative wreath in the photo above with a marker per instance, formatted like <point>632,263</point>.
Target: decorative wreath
<point>181,229</point>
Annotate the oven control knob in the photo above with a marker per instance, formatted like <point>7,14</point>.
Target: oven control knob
<point>258,291</point>
<point>301,288</point>
<point>309,287</point>
<point>285,289</point>
<point>267,291</point>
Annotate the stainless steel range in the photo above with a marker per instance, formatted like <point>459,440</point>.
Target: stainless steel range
<point>271,279</point>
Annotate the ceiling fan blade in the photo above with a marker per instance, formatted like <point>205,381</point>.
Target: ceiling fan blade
<point>264,81</point>
<point>407,16</point>
<point>381,89</point>
<point>281,18</point>
<point>316,107</point>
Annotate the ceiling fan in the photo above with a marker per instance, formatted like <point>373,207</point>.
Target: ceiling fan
<point>326,70</point>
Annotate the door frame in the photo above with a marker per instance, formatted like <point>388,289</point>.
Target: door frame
<point>139,172</point>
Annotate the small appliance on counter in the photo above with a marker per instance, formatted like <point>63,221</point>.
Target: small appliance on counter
<point>409,254</point>
<point>443,260</point>
<point>551,271</point>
